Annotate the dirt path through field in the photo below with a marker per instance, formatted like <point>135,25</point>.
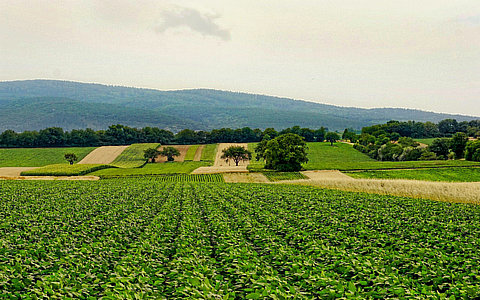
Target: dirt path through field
<point>198,154</point>
<point>220,162</point>
<point>183,152</point>
<point>14,171</point>
<point>103,155</point>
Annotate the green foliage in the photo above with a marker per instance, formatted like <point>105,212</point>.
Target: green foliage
<point>170,152</point>
<point>190,155</point>
<point>65,170</point>
<point>144,238</point>
<point>70,157</point>
<point>332,137</point>
<point>472,150</point>
<point>237,154</point>
<point>441,147</point>
<point>38,157</point>
<point>458,143</point>
<point>154,169</point>
<point>151,154</point>
<point>285,153</point>
<point>279,176</point>
<point>209,152</point>
<point>133,156</point>
<point>437,174</point>
<point>175,177</point>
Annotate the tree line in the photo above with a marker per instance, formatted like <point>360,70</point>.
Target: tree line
<point>125,135</point>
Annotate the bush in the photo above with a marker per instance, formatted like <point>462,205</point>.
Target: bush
<point>472,151</point>
<point>427,155</point>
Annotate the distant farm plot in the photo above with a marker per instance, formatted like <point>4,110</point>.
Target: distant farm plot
<point>38,157</point>
<point>438,174</point>
<point>153,169</point>
<point>181,148</point>
<point>341,156</point>
<point>103,155</point>
<point>132,156</point>
<point>209,152</point>
<point>64,170</point>
<point>428,141</point>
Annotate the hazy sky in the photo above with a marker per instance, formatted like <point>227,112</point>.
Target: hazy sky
<point>369,53</point>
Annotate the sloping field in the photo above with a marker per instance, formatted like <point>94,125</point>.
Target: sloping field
<point>65,170</point>
<point>220,162</point>
<point>437,174</point>
<point>192,150</point>
<point>38,157</point>
<point>132,157</point>
<point>103,155</point>
<point>198,153</point>
<point>153,169</point>
<point>14,171</point>
<point>181,158</point>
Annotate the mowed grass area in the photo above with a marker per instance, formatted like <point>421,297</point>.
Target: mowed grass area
<point>132,157</point>
<point>438,174</point>
<point>428,141</point>
<point>153,169</point>
<point>209,152</point>
<point>38,157</point>
<point>190,155</point>
<point>65,170</point>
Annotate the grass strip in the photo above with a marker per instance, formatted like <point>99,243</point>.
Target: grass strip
<point>190,155</point>
<point>132,157</point>
<point>65,170</point>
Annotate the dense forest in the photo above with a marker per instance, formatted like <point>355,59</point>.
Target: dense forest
<point>37,104</point>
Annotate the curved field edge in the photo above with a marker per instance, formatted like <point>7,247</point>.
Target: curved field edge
<point>65,170</point>
<point>39,157</point>
<point>153,169</point>
<point>186,240</point>
<point>132,156</point>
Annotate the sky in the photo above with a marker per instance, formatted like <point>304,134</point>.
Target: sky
<point>365,53</point>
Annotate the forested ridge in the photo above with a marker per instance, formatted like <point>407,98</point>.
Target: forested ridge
<point>37,104</point>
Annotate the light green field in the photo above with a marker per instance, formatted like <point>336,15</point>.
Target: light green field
<point>209,152</point>
<point>154,169</point>
<point>322,156</point>
<point>254,165</point>
<point>279,176</point>
<point>190,155</point>
<point>38,157</point>
<point>132,157</point>
<point>428,141</point>
<point>438,174</point>
<point>65,170</point>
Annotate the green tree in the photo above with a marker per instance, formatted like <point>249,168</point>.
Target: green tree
<point>151,154</point>
<point>458,143</point>
<point>71,157</point>
<point>286,152</point>
<point>472,151</point>
<point>441,147</point>
<point>332,137</point>
<point>170,152</point>
<point>236,153</point>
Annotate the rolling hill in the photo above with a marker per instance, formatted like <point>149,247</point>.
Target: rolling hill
<point>36,104</point>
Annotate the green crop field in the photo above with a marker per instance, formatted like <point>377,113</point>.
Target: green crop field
<point>438,174</point>
<point>65,170</point>
<point>209,152</point>
<point>428,141</point>
<point>154,169</point>
<point>278,176</point>
<point>341,156</point>
<point>143,238</point>
<point>190,155</point>
<point>38,157</point>
<point>132,157</point>
<point>178,177</point>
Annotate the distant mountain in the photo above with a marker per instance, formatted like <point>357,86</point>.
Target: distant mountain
<point>36,104</point>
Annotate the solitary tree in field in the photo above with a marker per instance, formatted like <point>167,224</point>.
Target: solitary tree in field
<point>71,157</point>
<point>151,154</point>
<point>237,154</point>
<point>170,152</point>
<point>286,152</point>
<point>332,137</point>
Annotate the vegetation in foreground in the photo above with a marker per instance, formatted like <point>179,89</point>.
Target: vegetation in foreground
<point>133,156</point>
<point>437,174</point>
<point>38,157</point>
<point>140,238</point>
<point>154,169</point>
<point>65,170</point>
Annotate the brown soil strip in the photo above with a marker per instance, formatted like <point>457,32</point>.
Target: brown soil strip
<point>13,171</point>
<point>220,162</point>
<point>183,151</point>
<point>49,178</point>
<point>103,155</point>
<point>326,174</point>
<point>198,154</point>
<point>245,177</point>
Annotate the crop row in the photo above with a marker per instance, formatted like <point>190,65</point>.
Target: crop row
<point>144,238</point>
